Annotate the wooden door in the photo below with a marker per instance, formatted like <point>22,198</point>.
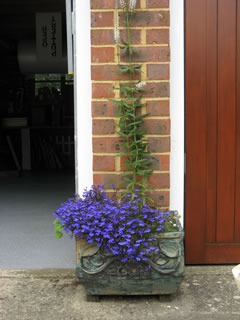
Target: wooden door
<point>212,131</point>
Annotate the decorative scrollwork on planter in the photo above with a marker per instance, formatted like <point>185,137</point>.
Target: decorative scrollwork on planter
<point>103,273</point>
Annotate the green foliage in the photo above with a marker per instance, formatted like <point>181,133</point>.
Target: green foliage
<point>58,227</point>
<point>170,224</point>
<point>130,125</point>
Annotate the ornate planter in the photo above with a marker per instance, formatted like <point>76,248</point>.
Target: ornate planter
<point>102,273</point>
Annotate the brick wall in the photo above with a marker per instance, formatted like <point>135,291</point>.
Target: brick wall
<point>151,34</point>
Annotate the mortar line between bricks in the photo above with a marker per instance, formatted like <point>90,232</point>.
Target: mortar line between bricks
<point>157,118</point>
<point>133,28</point>
<point>144,99</point>
<point>121,172</point>
<point>160,154</point>
<point>117,173</point>
<point>104,154</point>
<point>124,63</point>
<point>117,136</point>
<point>127,81</point>
<point>147,118</point>
<point>105,136</point>
<point>156,99</point>
<point>143,4</point>
<point>115,154</point>
<point>147,45</point>
<point>105,118</point>
<point>137,10</point>
<point>161,171</point>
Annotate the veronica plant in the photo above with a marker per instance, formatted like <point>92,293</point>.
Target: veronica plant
<point>130,125</point>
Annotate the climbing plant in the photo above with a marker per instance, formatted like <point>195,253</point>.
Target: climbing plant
<point>130,125</point>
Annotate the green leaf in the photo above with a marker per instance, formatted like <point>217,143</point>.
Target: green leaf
<point>134,123</point>
<point>115,101</point>
<point>59,234</point>
<point>58,227</point>
<point>142,116</point>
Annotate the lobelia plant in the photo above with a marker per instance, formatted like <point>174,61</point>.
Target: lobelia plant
<point>124,228</point>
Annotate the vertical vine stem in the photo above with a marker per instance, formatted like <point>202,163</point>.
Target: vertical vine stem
<point>130,125</point>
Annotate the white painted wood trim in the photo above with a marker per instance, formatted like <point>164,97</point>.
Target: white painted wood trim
<point>177,106</point>
<point>82,95</point>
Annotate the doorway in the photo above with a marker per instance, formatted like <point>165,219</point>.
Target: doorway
<point>212,220</point>
<point>37,168</point>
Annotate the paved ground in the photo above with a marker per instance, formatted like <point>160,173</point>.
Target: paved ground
<point>206,293</point>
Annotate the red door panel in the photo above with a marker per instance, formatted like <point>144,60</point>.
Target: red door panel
<point>212,131</point>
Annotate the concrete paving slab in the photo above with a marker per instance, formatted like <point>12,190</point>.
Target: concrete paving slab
<point>207,292</point>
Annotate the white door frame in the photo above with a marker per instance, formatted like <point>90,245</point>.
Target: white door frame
<point>177,106</point>
<point>82,95</point>
<point>83,119</point>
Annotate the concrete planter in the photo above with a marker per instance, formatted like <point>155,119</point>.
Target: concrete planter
<point>236,274</point>
<point>102,273</point>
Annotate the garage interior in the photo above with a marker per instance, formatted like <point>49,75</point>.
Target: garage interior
<point>37,136</point>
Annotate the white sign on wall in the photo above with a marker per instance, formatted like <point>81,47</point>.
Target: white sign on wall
<point>49,35</point>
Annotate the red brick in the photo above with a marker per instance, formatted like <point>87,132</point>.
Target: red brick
<point>134,34</point>
<point>106,126</point>
<point>104,109</point>
<point>160,162</point>
<point>102,90</point>
<point>158,108</point>
<point>109,72</point>
<point>158,72</point>
<point>156,90</point>
<point>157,3</point>
<point>122,163</point>
<point>102,37</point>
<point>150,54</point>
<point>108,180</point>
<point>102,4</point>
<point>106,4</point>
<point>158,36</point>
<point>148,19</point>
<point>159,180</point>
<point>160,198</point>
<point>103,163</point>
<point>157,126</point>
<point>102,19</point>
<point>106,145</point>
<point>100,55</point>
<point>159,145</point>
<point>106,37</point>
